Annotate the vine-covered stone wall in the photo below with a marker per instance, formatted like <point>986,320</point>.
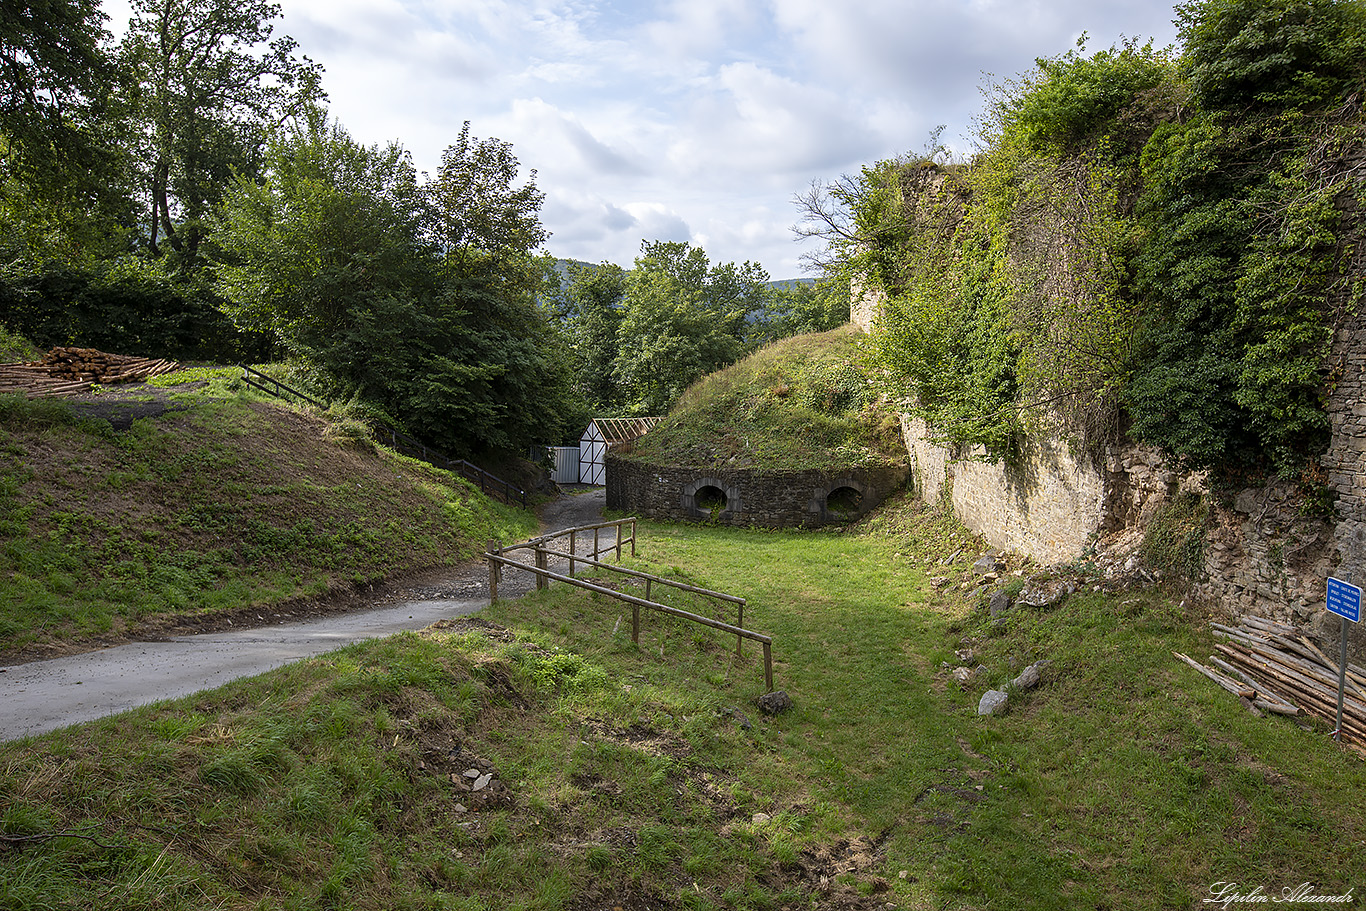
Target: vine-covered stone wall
<point>1268,550</point>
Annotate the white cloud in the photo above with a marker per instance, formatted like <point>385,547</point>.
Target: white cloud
<point>697,29</point>
<point>682,119</point>
<point>568,148</point>
<point>756,125</point>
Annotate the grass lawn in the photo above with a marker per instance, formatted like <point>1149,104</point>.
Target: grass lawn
<point>645,777</point>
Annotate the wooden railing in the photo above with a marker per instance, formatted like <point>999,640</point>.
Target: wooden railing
<point>401,442</point>
<point>272,386</point>
<point>542,555</point>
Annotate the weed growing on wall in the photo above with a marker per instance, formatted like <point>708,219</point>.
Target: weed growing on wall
<point>1174,540</point>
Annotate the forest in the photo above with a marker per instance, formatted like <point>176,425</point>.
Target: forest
<point>183,192</point>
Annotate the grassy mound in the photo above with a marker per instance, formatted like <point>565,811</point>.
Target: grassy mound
<point>220,501</point>
<point>799,404</point>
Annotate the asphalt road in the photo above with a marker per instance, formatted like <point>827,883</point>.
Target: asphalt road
<point>45,695</point>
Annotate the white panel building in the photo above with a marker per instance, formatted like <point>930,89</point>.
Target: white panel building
<point>602,434</point>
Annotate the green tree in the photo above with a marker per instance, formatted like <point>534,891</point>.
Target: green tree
<point>684,318</point>
<point>799,307</point>
<point>1273,54</point>
<point>51,72</point>
<point>478,208</point>
<point>595,303</point>
<point>1240,210</point>
<point>62,190</point>
<point>329,227</point>
<point>332,252</point>
<point>205,84</point>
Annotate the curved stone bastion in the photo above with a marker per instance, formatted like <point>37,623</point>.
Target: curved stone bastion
<point>774,499</point>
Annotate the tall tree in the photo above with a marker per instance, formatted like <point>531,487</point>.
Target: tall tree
<point>51,68</point>
<point>62,195</point>
<point>684,318</point>
<point>331,250</point>
<point>330,227</point>
<point>206,82</point>
<point>478,208</point>
<point>595,296</point>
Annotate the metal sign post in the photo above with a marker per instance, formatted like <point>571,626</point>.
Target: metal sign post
<point>1344,599</point>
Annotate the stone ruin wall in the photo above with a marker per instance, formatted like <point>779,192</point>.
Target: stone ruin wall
<point>1263,554</point>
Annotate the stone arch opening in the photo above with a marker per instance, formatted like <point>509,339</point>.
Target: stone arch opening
<point>710,498</point>
<point>844,503</point>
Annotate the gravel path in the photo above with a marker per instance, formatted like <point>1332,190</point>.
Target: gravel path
<point>42,696</point>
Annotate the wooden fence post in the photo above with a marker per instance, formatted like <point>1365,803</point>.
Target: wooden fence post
<point>633,537</point>
<point>495,571</point>
<point>541,563</point>
<point>740,622</point>
<point>768,667</point>
<point>573,549</point>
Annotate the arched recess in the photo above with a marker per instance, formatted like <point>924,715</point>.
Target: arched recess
<point>711,498</point>
<point>842,500</point>
<point>844,503</point>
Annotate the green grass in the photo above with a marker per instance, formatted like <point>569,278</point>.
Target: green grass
<point>15,348</point>
<point>635,773</point>
<point>802,403</point>
<point>230,503</point>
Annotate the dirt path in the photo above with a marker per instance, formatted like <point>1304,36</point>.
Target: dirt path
<point>42,696</point>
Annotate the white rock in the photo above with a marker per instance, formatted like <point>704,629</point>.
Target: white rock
<point>993,703</point>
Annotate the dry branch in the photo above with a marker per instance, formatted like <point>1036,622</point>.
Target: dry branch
<point>1289,674</point>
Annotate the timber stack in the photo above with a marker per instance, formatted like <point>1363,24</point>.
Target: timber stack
<point>1273,667</point>
<point>67,371</point>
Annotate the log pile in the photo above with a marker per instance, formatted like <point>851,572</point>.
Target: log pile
<point>1273,667</point>
<point>67,371</point>
<point>92,366</point>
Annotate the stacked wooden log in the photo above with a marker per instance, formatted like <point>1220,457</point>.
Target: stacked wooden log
<point>1272,666</point>
<point>67,371</point>
<point>93,366</point>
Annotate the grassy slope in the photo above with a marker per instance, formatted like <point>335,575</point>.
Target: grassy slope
<point>233,502</point>
<point>800,403</point>
<point>1124,781</point>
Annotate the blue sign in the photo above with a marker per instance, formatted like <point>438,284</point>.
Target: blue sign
<point>1344,599</point>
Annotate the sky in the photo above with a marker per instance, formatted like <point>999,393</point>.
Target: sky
<point>684,120</point>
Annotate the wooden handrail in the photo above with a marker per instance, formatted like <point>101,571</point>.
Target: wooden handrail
<point>544,575</point>
<point>429,454</point>
<point>762,639</point>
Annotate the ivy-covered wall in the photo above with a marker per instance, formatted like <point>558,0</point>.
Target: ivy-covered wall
<point>1266,549</point>
<point>1135,315</point>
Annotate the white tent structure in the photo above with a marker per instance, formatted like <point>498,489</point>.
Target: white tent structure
<point>602,434</point>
